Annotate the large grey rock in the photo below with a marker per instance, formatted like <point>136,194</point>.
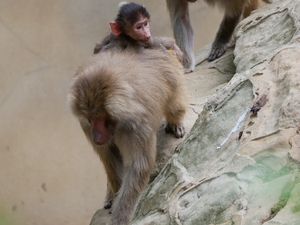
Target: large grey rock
<point>240,162</point>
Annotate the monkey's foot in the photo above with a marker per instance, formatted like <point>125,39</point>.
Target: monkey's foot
<point>187,70</point>
<point>108,204</point>
<point>217,51</point>
<point>177,129</point>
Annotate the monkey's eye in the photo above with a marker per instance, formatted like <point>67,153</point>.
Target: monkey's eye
<point>139,27</point>
<point>146,23</point>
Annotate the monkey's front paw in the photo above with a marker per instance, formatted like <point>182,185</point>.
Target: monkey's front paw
<point>177,129</point>
<point>178,53</point>
<point>217,51</point>
<point>108,204</point>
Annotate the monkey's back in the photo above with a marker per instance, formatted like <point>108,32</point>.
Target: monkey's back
<point>131,86</point>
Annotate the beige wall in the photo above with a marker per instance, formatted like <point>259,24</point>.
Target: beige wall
<point>48,172</point>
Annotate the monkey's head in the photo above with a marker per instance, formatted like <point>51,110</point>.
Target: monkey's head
<point>88,102</point>
<point>132,20</point>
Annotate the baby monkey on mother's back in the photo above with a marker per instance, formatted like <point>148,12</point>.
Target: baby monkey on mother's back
<point>131,29</point>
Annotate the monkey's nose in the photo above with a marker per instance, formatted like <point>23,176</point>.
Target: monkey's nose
<point>147,39</point>
<point>97,138</point>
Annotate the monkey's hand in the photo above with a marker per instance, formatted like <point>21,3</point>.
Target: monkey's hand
<point>178,53</point>
<point>176,128</point>
<point>97,48</point>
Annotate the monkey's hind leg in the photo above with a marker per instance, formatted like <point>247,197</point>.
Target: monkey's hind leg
<point>109,197</point>
<point>139,159</point>
<point>231,18</point>
<point>223,37</point>
<point>113,164</point>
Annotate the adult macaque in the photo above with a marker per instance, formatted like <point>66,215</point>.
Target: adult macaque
<point>183,32</point>
<point>131,29</point>
<point>120,98</point>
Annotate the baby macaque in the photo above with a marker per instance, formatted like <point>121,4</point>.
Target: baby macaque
<point>131,29</point>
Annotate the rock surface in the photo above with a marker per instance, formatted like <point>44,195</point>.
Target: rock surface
<point>240,162</point>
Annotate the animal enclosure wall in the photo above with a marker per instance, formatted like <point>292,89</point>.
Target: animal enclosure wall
<point>49,173</point>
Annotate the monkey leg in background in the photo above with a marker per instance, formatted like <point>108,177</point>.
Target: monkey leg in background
<point>120,99</point>
<point>234,9</point>
<point>183,31</point>
<point>232,15</point>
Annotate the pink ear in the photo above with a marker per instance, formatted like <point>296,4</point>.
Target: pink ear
<point>115,28</point>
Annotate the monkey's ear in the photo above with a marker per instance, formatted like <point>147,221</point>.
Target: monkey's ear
<point>115,28</point>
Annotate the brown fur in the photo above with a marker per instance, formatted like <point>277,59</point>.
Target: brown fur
<point>252,5</point>
<point>183,32</point>
<point>136,90</point>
